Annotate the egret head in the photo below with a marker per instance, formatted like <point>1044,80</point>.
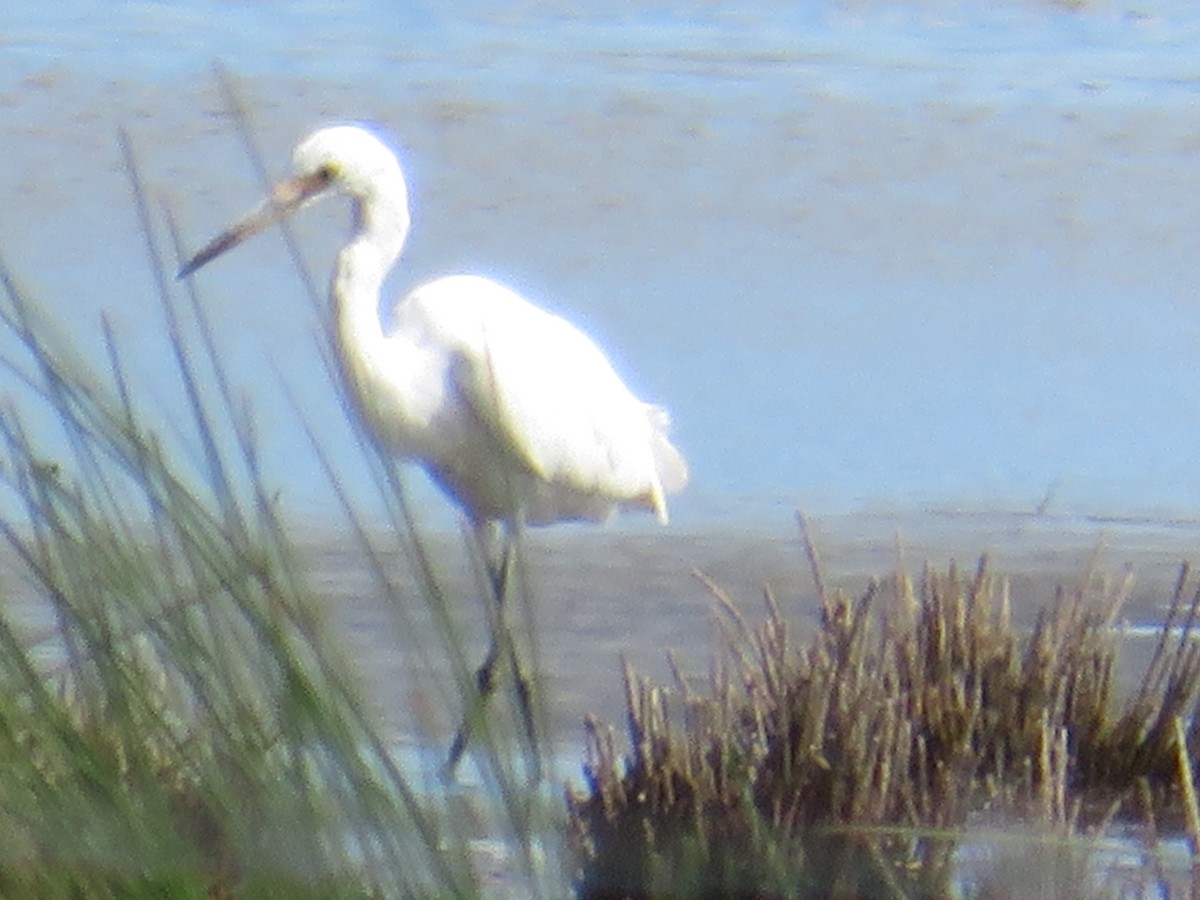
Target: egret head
<point>350,159</point>
<point>341,159</point>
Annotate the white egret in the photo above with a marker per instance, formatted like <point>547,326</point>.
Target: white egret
<point>514,412</point>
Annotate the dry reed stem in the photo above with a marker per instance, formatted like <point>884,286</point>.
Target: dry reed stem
<point>1191,810</point>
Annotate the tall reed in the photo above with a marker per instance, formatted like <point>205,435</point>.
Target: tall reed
<point>186,724</point>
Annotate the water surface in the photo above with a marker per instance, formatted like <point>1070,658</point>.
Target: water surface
<point>878,254</point>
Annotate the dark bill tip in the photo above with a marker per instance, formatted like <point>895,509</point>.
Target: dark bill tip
<point>211,251</point>
<point>286,198</point>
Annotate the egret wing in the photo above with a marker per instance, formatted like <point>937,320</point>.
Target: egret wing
<point>553,401</point>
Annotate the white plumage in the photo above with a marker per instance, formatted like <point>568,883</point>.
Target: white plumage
<point>512,410</point>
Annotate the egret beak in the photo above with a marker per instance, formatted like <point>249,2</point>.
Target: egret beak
<point>286,197</point>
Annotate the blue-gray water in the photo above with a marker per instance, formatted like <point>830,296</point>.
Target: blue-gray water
<point>872,256</point>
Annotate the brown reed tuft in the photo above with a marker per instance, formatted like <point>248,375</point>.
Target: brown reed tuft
<point>857,763</point>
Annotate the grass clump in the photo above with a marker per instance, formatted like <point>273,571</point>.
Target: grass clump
<point>877,757</point>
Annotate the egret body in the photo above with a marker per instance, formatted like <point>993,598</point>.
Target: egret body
<point>513,411</point>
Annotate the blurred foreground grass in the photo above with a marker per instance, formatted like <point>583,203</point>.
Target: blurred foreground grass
<point>186,727</point>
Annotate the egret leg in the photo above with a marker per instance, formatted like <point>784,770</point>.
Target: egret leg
<point>485,680</point>
<point>498,572</point>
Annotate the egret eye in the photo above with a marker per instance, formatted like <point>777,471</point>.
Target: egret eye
<point>327,172</point>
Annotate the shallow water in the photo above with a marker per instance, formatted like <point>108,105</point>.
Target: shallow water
<point>600,600</point>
